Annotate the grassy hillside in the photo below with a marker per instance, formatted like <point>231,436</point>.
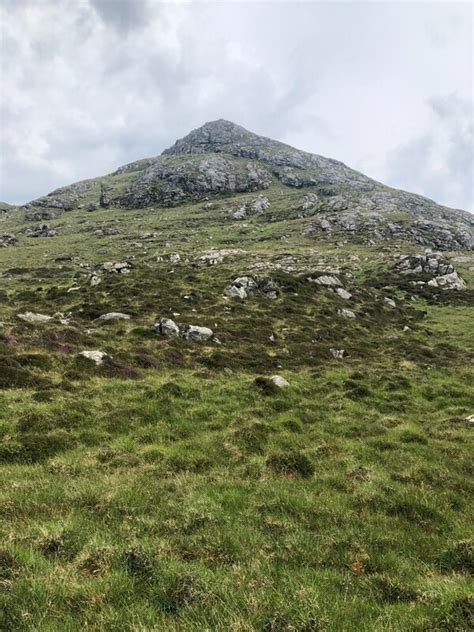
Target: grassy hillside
<point>175,487</point>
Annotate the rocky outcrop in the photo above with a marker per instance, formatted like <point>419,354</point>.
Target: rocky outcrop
<point>7,240</point>
<point>431,269</point>
<point>42,230</point>
<point>169,181</point>
<point>243,287</point>
<point>251,207</point>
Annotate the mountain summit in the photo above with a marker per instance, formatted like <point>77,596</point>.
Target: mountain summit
<point>221,159</point>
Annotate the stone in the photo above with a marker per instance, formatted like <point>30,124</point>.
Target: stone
<point>195,333</point>
<point>389,301</point>
<point>174,257</point>
<point>245,286</point>
<point>234,291</point>
<point>252,207</point>
<point>326,280</point>
<point>32,317</point>
<point>8,240</point>
<point>94,356</point>
<point>337,353</point>
<point>95,281</point>
<point>42,230</point>
<point>166,327</point>
<point>114,316</point>
<point>451,281</point>
<point>346,313</point>
<point>279,381</point>
<point>342,293</point>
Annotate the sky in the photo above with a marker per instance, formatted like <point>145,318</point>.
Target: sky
<point>89,85</point>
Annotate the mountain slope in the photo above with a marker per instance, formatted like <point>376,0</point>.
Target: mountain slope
<point>221,159</point>
<point>247,406</point>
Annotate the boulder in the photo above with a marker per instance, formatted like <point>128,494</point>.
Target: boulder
<point>346,313</point>
<point>32,317</point>
<point>94,356</point>
<point>245,286</point>
<point>252,207</point>
<point>166,327</point>
<point>114,316</point>
<point>326,280</point>
<point>279,381</point>
<point>342,293</point>
<point>193,333</point>
<point>389,301</point>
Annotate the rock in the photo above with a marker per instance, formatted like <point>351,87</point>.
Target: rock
<point>105,200</point>
<point>346,313</point>
<point>121,267</point>
<point>337,353</point>
<point>279,381</point>
<point>32,317</point>
<point>42,230</point>
<point>234,291</point>
<point>470,419</point>
<point>245,286</point>
<point>342,293</point>
<point>167,327</point>
<point>326,280</point>
<point>309,201</point>
<point>389,301</point>
<point>442,273</point>
<point>94,356</point>
<point>252,207</point>
<point>196,334</point>
<point>95,280</point>
<point>114,316</point>
<point>8,240</point>
<point>174,257</point>
<point>450,281</point>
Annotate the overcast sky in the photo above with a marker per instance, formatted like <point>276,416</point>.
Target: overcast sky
<point>386,87</point>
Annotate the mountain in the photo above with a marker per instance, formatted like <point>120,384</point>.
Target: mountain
<point>236,393</point>
<point>221,159</point>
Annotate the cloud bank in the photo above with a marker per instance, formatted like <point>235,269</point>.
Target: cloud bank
<point>88,85</point>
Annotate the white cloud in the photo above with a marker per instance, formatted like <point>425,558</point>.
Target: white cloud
<point>87,85</point>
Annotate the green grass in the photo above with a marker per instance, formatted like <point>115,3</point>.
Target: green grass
<point>174,489</point>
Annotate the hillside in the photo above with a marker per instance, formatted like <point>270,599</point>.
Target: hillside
<point>236,394</point>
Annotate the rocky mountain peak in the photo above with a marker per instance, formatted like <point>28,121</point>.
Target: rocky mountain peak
<point>213,136</point>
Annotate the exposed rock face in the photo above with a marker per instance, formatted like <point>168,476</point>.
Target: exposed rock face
<point>169,181</point>
<point>432,269</point>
